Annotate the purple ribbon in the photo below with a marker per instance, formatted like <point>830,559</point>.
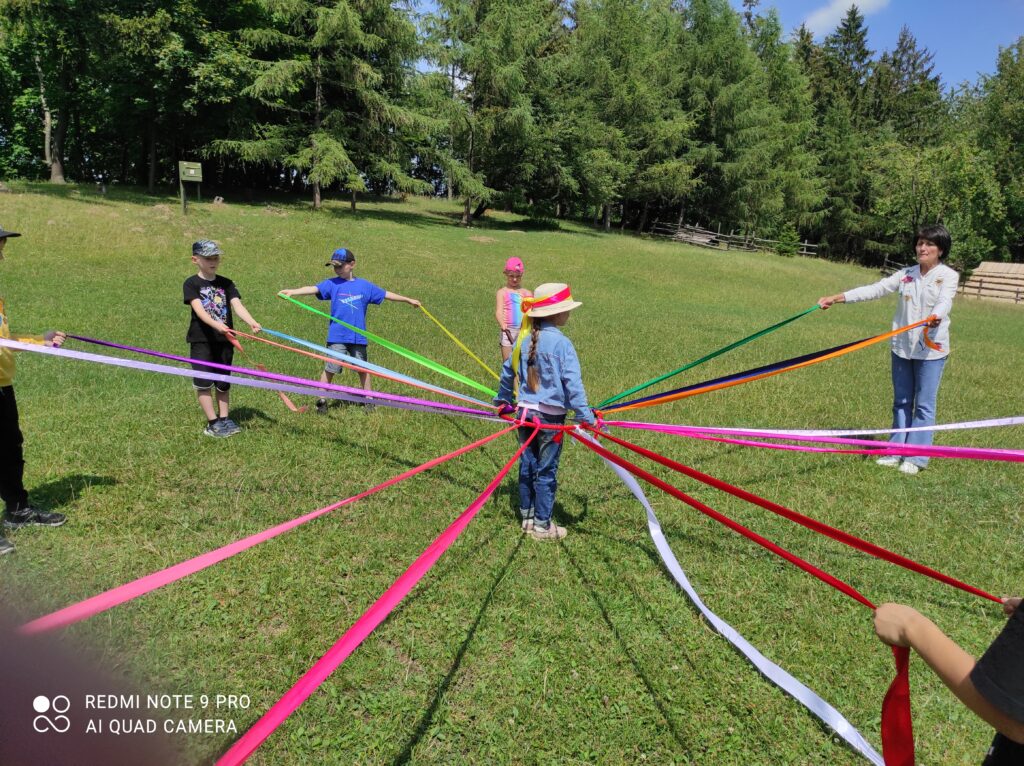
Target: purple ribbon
<point>287,383</point>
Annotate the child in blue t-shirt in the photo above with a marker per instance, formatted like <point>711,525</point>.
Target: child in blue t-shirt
<point>349,296</point>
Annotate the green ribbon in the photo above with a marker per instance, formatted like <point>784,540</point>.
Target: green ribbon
<point>710,356</point>
<point>418,358</point>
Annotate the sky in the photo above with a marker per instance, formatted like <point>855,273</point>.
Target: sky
<point>964,35</point>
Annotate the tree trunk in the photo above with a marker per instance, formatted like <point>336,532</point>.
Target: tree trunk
<point>353,200</point>
<point>56,171</point>
<point>57,156</point>
<point>643,218</point>
<point>466,219</point>
<point>151,158</point>
<point>682,212</point>
<point>316,195</point>
<point>607,217</point>
<point>480,210</point>
<point>622,212</point>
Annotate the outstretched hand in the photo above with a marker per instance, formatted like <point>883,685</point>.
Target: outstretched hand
<point>55,338</point>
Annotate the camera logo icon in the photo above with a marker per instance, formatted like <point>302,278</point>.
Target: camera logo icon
<point>57,706</point>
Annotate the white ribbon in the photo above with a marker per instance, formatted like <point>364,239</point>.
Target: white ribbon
<point>802,694</point>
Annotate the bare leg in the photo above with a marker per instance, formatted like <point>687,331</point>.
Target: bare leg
<point>223,400</point>
<point>206,402</point>
<point>506,352</point>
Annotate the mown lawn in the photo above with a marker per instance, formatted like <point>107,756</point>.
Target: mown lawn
<point>509,651</point>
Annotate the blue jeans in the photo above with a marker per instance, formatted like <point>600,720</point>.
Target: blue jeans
<point>538,468</point>
<point>915,386</point>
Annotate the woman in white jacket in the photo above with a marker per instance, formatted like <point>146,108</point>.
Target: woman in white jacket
<point>917,359</point>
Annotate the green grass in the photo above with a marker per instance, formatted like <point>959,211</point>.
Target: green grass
<point>509,651</point>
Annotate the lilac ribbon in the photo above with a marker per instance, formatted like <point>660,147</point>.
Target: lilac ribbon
<point>289,384</point>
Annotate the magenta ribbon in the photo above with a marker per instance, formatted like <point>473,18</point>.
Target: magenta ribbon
<point>140,587</point>
<point>877,448</point>
<point>363,627</point>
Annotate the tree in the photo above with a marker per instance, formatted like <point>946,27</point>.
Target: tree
<point>333,84</point>
<point>849,61</point>
<point>1000,128</point>
<point>903,92</point>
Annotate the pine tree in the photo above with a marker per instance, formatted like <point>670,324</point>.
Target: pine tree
<point>849,61</point>
<point>904,92</point>
<point>333,83</point>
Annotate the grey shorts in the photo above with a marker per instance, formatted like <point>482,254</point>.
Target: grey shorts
<point>357,350</point>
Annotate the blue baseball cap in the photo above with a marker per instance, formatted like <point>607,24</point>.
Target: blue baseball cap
<point>4,234</point>
<point>205,248</point>
<point>341,255</point>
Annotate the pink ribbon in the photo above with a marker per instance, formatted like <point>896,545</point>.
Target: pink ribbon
<point>877,448</point>
<point>115,596</point>
<point>362,628</point>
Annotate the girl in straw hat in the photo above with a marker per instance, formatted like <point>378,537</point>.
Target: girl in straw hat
<point>550,384</point>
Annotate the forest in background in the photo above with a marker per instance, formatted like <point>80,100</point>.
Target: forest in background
<point>621,112</point>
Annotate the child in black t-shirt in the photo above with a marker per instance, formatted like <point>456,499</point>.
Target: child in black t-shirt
<point>992,687</point>
<point>213,299</point>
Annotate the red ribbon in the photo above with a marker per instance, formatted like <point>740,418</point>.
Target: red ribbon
<point>897,727</point>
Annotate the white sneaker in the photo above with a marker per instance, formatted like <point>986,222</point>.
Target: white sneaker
<point>550,532</point>
<point>910,469</point>
<point>889,461</point>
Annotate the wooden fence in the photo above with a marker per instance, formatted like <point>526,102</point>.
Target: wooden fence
<point>716,240</point>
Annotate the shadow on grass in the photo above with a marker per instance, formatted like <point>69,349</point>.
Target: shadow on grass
<point>425,722</point>
<point>521,226</point>
<point>55,494</point>
<point>250,415</point>
<point>626,652</point>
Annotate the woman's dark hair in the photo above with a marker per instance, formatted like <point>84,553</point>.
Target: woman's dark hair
<point>938,235</point>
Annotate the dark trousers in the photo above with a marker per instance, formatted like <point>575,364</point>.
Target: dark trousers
<point>12,460</point>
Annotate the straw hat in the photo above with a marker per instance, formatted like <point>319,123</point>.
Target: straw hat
<point>557,291</point>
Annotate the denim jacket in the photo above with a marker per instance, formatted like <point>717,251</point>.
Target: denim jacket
<point>559,370</point>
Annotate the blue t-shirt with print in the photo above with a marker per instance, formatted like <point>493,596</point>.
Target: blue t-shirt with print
<point>349,299</point>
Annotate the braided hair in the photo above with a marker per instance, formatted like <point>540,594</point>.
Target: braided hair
<point>532,376</point>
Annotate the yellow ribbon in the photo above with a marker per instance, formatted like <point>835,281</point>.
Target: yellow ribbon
<point>458,342</point>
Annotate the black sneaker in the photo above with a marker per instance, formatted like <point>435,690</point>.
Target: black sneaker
<point>229,427</point>
<point>32,515</point>
<point>6,546</point>
<point>216,430</point>
<point>321,406</point>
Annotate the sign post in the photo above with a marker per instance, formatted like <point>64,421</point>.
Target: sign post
<point>191,172</point>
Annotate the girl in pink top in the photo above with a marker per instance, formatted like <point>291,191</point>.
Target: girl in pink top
<point>509,311</point>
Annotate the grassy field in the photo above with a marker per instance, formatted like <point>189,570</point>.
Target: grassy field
<point>509,651</point>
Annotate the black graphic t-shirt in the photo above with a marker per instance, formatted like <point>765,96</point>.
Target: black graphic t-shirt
<point>216,297</point>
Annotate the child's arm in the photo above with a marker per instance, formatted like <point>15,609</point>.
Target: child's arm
<point>308,290</point>
<point>499,308</point>
<point>205,318</point>
<point>390,296</point>
<point>53,338</point>
<point>899,625</point>
<point>236,304</point>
